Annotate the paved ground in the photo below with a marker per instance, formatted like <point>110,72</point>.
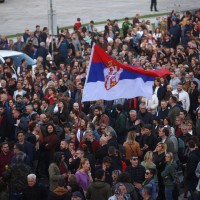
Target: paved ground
<point>15,15</point>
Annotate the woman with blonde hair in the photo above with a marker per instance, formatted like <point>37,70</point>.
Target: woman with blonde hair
<point>159,160</point>
<point>83,175</point>
<point>168,174</point>
<point>148,160</point>
<point>131,146</point>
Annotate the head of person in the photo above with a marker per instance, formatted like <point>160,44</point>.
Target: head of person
<point>147,192</point>
<point>107,162</point>
<point>172,100</point>
<point>89,136</point>
<point>166,121</point>
<point>4,148</point>
<point>50,129</point>
<point>57,159</point>
<point>100,175</point>
<point>142,108</point>
<point>76,106</point>
<point>17,148</point>
<point>80,153</point>
<point>20,157</point>
<point>194,85</point>
<point>150,173</point>
<point>133,114</point>
<point>43,118</point>
<point>31,179</point>
<point>120,189</point>
<point>63,145</point>
<point>163,104</point>
<point>112,151</point>
<point>180,87</point>
<point>169,158</point>
<point>20,136</point>
<point>164,132</point>
<point>34,127</point>
<point>177,121</point>
<point>98,111</point>
<point>190,125</point>
<point>147,129</point>
<point>192,145</point>
<point>16,113</point>
<point>161,147</point>
<point>110,133</point>
<point>84,165</point>
<point>131,137</point>
<point>45,102</point>
<point>134,160</point>
<point>148,157</point>
<point>77,196</point>
<point>182,114</point>
<point>119,108</point>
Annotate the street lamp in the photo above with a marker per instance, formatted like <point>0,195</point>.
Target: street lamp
<point>52,20</point>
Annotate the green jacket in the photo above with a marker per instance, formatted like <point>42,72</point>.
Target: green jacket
<point>98,190</point>
<point>168,174</point>
<point>126,25</point>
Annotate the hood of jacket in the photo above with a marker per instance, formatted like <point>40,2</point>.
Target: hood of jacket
<point>60,191</point>
<point>99,184</point>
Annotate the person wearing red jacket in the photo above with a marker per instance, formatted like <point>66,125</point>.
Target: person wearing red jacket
<point>5,157</point>
<point>92,144</point>
<point>77,24</point>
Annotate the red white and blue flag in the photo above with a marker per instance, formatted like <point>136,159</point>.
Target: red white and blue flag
<point>108,79</point>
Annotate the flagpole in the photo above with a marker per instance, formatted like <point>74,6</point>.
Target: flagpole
<point>88,70</point>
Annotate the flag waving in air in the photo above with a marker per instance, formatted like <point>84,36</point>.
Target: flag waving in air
<point>108,79</point>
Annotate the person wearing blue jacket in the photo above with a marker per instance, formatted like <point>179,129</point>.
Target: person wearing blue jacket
<point>175,32</point>
<point>150,181</point>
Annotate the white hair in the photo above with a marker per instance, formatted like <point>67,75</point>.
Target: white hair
<point>31,176</point>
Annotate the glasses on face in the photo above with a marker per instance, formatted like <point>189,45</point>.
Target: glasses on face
<point>147,173</point>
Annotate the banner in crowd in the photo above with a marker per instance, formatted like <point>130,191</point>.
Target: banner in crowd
<point>108,79</point>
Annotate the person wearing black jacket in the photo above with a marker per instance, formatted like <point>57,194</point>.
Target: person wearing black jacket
<point>143,115</point>
<point>34,190</point>
<point>4,124</point>
<point>148,140</point>
<point>193,160</point>
<point>115,160</point>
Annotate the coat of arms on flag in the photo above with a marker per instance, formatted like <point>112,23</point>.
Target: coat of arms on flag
<point>112,75</point>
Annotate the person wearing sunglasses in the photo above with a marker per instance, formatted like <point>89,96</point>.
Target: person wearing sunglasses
<point>150,181</point>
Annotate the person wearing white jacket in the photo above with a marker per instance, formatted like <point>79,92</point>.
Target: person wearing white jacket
<point>151,104</point>
<point>182,96</point>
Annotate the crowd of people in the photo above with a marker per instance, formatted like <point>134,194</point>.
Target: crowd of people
<point>125,149</point>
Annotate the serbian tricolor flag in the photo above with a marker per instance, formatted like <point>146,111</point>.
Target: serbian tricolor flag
<point>108,79</point>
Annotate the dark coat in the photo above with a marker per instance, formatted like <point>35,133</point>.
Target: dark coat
<point>146,117</point>
<point>192,163</point>
<point>4,127</point>
<point>99,190</point>
<point>38,192</point>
